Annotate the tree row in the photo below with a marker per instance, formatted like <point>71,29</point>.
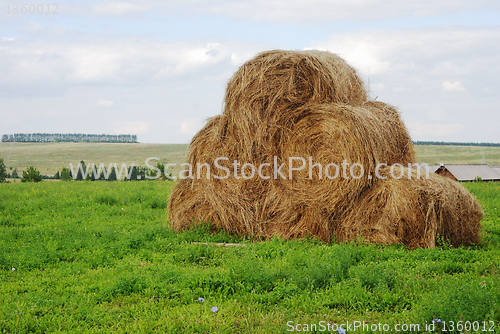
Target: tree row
<point>67,137</point>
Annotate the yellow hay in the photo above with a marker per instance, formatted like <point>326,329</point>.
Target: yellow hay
<point>310,106</point>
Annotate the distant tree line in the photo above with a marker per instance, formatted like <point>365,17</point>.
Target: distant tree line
<point>455,143</point>
<point>67,137</point>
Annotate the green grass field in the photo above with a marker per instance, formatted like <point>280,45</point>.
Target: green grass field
<point>89,257</point>
<point>51,157</point>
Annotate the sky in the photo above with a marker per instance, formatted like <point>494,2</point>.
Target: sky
<point>159,68</point>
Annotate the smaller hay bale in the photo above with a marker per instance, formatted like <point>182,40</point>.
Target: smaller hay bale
<point>412,211</point>
<point>462,213</point>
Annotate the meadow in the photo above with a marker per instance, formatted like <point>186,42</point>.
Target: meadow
<point>91,257</point>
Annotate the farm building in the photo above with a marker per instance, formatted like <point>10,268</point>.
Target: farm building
<point>496,168</point>
<point>467,173</point>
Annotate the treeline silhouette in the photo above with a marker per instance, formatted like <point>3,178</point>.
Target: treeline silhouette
<point>418,142</point>
<point>67,137</point>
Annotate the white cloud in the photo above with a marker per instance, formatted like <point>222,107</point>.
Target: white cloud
<point>148,77</point>
<point>434,50</point>
<point>9,118</point>
<point>104,103</point>
<point>112,61</point>
<point>433,130</point>
<point>190,126</point>
<point>310,11</point>
<point>164,81</point>
<point>437,114</point>
<point>455,86</point>
<point>417,64</point>
<point>132,127</point>
<point>400,89</point>
<point>193,58</point>
<point>117,8</point>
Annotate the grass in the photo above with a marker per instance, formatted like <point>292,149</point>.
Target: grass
<point>51,157</point>
<point>88,257</point>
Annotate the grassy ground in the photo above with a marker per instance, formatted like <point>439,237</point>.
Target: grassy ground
<point>87,257</point>
<point>51,157</point>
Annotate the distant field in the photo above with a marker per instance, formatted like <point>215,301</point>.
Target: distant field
<point>51,157</point>
<point>435,154</point>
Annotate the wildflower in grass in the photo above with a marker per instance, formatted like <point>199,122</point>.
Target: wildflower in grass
<point>214,309</point>
<point>201,299</point>
<point>341,330</point>
<point>13,269</point>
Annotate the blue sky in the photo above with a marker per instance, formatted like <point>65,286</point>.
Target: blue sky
<point>158,69</point>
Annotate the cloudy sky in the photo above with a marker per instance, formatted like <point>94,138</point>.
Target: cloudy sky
<point>158,68</point>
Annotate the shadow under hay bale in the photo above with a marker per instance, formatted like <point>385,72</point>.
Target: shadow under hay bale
<point>294,107</point>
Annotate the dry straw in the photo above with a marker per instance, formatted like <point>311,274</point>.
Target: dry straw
<point>313,104</point>
<point>413,211</point>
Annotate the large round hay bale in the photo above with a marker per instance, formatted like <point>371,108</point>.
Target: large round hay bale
<point>294,107</point>
<point>308,203</point>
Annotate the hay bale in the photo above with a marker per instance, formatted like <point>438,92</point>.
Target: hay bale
<point>279,80</point>
<point>286,207</point>
<point>400,148</point>
<point>308,104</point>
<point>275,82</point>
<point>412,210</point>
